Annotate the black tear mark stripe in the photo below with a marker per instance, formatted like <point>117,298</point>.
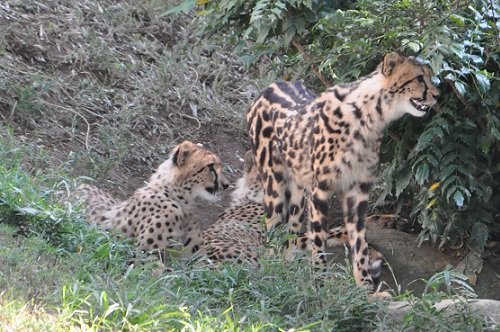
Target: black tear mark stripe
<point>216,181</point>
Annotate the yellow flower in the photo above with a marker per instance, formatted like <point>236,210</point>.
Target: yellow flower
<point>434,186</point>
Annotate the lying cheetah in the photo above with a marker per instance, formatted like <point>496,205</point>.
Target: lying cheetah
<point>308,147</point>
<point>240,236</point>
<point>158,215</point>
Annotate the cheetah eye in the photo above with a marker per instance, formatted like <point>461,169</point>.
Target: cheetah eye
<point>420,78</point>
<point>211,167</point>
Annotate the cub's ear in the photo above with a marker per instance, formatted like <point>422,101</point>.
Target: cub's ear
<point>182,152</point>
<point>249,161</point>
<point>391,60</point>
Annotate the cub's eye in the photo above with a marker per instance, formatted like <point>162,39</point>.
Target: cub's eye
<point>211,166</point>
<point>420,78</point>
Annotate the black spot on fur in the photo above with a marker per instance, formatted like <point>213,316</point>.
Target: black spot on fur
<point>279,208</point>
<point>350,207</point>
<point>358,244</point>
<point>357,111</point>
<point>378,107</point>
<point>324,185</point>
<point>360,224</point>
<point>267,132</point>
<point>316,226</point>
<point>357,135</point>
<point>317,241</point>
<point>339,96</point>
<point>278,176</point>
<point>320,204</point>
<point>338,113</point>
<point>365,187</point>
<point>265,116</point>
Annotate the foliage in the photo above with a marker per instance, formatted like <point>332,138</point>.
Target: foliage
<point>72,291</point>
<point>444,170</point>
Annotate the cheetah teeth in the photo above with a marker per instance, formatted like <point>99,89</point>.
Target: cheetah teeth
<point>418,106</point>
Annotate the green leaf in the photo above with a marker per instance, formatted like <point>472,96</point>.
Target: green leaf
<point>437,63</point>
<point>460,87</point>
<point>458,197</point>
<point>402,180</point>
<point>422,174</point>
<point>183,7</point>
<point>458,20</point>
<point>483,81</point>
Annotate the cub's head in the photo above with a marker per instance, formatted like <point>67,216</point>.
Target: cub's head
<point>409,82</point>
<point>249,187</point>
<point>194,169</point>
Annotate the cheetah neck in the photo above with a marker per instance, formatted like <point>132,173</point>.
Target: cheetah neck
<point>366,104</point>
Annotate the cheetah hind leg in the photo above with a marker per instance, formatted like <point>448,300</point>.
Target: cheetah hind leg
<point>337,236</point>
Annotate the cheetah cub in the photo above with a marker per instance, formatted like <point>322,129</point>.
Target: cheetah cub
<point>158,215</point>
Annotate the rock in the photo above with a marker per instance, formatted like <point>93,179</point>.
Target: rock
<point>394,313</point>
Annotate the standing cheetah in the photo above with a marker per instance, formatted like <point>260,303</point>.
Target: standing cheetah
<point>158,215</point>
<point>308,147</point>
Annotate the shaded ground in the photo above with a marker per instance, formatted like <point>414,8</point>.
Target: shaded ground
<point>103,90</point>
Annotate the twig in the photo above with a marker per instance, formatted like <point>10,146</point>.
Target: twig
<point>315,69</point>
<point>87,134</point>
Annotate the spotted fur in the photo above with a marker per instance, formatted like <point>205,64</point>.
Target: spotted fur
<point>240,236</point>
<point>158,215</point>
<point>308,147</point>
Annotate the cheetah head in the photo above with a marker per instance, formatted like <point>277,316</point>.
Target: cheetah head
<point>249,187</point>
<point>409,83</point>
<point>196,170</point>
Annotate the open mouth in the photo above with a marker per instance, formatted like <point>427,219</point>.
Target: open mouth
<point>417,103</point>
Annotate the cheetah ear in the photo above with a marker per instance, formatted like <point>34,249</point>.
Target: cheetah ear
<point>182,152</point>
<point>391,60</point>
<point>249,161</point>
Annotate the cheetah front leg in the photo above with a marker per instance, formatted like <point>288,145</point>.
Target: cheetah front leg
<point>316,233</point>
<point>274,197</point>
<point>296,201</point>
<point>354,205</point>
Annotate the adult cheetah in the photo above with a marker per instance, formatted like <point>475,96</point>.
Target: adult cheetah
<point>308,147</point>
<point>158,215</point>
